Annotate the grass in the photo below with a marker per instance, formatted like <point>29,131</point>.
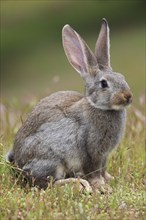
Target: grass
<point>126,164</point>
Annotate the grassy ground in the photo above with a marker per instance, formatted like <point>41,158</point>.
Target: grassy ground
<point>126,164</point>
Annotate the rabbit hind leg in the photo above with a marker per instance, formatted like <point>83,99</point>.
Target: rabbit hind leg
<point>41,171</point>
<point>104,173</point>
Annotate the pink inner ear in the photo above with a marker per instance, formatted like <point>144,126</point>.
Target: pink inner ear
<point>73,50</point>
<point>76,61</point>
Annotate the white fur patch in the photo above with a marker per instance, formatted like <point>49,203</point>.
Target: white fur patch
<point>60,171</point>
<point>74,164</point>
<point>117,107</point>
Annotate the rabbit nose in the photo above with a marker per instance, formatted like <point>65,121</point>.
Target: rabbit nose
<point>128,97</point>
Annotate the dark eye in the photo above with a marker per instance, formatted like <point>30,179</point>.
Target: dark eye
<point>104,83</point>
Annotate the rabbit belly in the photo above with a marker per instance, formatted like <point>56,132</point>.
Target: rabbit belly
<point>55,142</point>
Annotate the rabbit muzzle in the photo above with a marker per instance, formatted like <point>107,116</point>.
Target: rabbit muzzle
<point>121,100</point>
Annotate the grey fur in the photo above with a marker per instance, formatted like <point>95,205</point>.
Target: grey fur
<point>67,133</point>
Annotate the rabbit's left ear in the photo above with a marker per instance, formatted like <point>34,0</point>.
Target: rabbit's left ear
<point>78,53</point>
<point>102,48</point>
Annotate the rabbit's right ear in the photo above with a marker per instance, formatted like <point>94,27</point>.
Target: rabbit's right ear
<point>78,53</point>
<point>102,48</point>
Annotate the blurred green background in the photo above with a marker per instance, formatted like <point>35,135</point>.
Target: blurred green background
<point>32,57</point>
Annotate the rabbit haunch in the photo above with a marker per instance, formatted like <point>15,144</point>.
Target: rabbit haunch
<point>68,134</point>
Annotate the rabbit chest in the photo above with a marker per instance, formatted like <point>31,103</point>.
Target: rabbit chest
<point>106,129</point>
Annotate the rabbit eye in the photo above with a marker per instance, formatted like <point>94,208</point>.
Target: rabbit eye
<point>104,83</point>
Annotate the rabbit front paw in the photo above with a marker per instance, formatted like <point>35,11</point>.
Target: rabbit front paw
<point>98,185</point>
<point>107,176</point>
<point>97,182</point>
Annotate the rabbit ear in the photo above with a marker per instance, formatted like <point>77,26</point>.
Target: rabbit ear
<point>78,53</point>
<point>102,48</point>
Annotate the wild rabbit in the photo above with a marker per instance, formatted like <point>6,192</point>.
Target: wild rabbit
<point>69,134</point>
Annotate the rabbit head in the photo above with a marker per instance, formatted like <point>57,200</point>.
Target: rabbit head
<point>105,89</point>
